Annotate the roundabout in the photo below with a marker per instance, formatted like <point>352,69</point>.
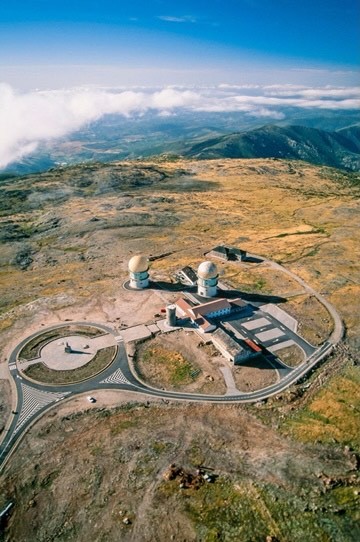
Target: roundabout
<point>67,360</point>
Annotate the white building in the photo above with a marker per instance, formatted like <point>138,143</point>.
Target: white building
<point>188,275</point>
<point>200,314</point>
<point>207,279</point>
<point>138,268</point>
<point>212,309</point>
<point>230,348</point>
<point>184,309</point>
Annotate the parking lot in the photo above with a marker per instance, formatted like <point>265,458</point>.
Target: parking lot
<point>266,331</point>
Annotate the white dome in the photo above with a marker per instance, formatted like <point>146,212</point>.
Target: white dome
<point>207,270</point>
<point>138,264</point>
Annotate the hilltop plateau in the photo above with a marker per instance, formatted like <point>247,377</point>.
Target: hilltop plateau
<point>66,237</point>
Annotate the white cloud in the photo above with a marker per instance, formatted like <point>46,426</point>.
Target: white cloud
<point>227,86</point>
<point>173,19</point>
<point>305,92</point>
<point>170,98</point>
<point>28,119</point>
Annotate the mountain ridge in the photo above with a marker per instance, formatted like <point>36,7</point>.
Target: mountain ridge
<point>339,149</point>
<point>115,138</point>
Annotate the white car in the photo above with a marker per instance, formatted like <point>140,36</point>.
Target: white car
<point>91,399</point>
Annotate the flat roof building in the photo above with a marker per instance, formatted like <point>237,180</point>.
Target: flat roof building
<point>188,275</point>
<point>228,253</point>
<point>229,348</point>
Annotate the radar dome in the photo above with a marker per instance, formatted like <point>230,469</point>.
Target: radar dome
<point>207,270</point>
<point>138,264</point>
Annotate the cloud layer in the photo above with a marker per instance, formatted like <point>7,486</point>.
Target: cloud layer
<point>28,119</point>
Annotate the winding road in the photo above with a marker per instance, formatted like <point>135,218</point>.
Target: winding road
<point>33,399</point>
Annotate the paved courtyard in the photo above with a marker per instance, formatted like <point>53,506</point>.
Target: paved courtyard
<point>83,349</point>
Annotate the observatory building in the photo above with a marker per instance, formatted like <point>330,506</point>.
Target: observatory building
<point>207,279</point>
<point>138,268</point>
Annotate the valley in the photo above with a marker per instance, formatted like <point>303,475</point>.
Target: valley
<point>330,138</point>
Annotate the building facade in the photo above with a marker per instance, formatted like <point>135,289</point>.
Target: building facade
<point>139,272</point>
<point>229,348</point>
<point>207,279</point>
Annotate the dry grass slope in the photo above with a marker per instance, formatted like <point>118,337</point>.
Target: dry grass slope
<point>333,415</point>
<point>66,237</point>
<point>112,462</point>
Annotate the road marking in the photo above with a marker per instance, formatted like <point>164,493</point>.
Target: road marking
<point>33,401</point>
<point>12,366</point>
<point>256,323</point>
<point>117,377</point>
<point>270,334</point>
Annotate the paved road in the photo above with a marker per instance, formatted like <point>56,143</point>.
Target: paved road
<point>338,331</point>
<point>285,334</point>
<point>33,400</point>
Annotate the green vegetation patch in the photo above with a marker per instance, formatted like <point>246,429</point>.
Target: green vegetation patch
<point>163,364</point>
<point>250,282</point>
<point>32,348</point>
<point>319,229</point>
<point>159,447</point>
<point>121,425</point>
<point>309,515</point>
<point>333,415</point>
<point>247,512</point>
<point>46,482</point>
<point>221,511</point>
<point>100,361</point>
<point>291,355</point>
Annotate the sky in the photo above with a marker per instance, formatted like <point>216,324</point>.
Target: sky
<point>112,42</point>
<point>66,63</point>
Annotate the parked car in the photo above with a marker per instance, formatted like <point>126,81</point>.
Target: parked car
<point>91,399</point>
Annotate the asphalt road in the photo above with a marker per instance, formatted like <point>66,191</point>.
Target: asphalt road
<point>33,400</point>
<point>338,331</point>
<point>288,334</point>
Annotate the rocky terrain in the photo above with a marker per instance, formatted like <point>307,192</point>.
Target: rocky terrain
<point>104,475</point>
<point>66,237</point>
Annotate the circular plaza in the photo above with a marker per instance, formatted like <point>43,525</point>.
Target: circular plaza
<point>66,354</point>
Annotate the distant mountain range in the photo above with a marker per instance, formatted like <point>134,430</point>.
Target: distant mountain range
<point>332,139</point>
<point>339,149</point>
